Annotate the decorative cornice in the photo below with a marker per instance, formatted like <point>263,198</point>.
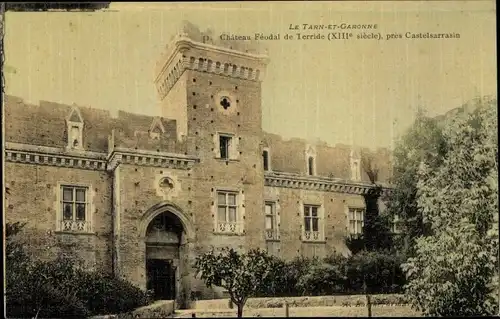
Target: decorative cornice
<point>146,158</point>
<point>185,55</point>
<point>47,156</point>
<point>60,157</point>
<point>317,183</point>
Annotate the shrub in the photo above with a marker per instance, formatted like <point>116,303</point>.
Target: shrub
<point>104,294</point>
<point>44,289</point>
<point>380,271</point>
<point>323,279</point>
<point>59,288</point>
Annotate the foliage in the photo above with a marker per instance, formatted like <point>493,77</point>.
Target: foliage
<point>376,231</point>
<point>451,271</point>
<point>423,141</point>
<point>375,272</point>
<point>241,274</point>
<point>59,288</point>
<point>109,295</point>
<point>465,185</point>
<point>323,279</point>
<point>450,274</point>
<point>336,274</point>
<point>43,289</point>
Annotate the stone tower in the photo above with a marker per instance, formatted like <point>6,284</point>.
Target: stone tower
<point>214,94</point>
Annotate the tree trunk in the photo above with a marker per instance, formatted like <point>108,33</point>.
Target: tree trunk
<point>369,305</point>
<point>240,310</point>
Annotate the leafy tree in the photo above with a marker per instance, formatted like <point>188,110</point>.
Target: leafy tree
<point>241,274</point>
<point>453,267</point>
<point>423,141</point>
<point>449,276</point>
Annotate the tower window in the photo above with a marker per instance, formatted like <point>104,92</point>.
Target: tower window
<point>310,165</point>
<point>224,144</point>
<point>265,159</point>
<point>225,103</point>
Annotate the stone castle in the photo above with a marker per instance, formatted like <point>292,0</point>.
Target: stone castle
<point>142,196</point>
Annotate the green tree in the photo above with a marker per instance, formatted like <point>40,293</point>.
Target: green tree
<point>241,274</point>
<point>423,141</point>
<point>454,265</point>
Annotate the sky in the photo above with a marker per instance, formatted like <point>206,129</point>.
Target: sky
<point>362,92</point>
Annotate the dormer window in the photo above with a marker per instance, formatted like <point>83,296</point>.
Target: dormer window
<point>310,158</point>
<point>355,166</point>
<point>310,165</point>
<point>156,129</point>
<point>266,160</point>
<point>75,135</point>
<point>74,124</point>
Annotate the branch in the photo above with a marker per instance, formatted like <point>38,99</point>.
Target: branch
<point>370,169</point>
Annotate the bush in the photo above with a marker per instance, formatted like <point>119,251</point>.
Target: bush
<point>286,276</point>
<point>381,272</point>
<point>336,274</point>
<point>323,279</point>
<point>104,294</point>
<point>44,289</point>
<point>58,288</point>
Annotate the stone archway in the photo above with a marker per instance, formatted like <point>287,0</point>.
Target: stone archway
<point>167,235</point>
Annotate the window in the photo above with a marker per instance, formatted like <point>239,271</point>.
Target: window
<point>75,136</point>
<point>265,159</point>
<point>355,170</point>
<point>74,128</point>
<point>396,225</point>
<point>310,165</point>
<point>311,218</point>
<point>227,211</point>
<point>74,207</point>
<point>311,222</point>
<point>356,220</point>
<point>225,146</point>
<point>225,102</point>
<point>271,221</point>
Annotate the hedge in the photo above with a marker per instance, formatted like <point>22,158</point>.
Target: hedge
<point>365,272</point>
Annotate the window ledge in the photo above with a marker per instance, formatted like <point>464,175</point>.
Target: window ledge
<point>63,232</point>
<point>273,239</point>
<point>229,233</point>
<point>219,159</point>
<point>308,241</point>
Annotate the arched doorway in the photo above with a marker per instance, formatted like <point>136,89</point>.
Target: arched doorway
<point>164,236</point>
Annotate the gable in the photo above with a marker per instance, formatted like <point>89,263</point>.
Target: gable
<point>75,117</point>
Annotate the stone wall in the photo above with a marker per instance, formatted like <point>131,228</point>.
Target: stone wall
<point>33,200</point>
<point>333,211</point>
<point>330,161</point>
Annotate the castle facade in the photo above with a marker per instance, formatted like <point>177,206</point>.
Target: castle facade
<point>142,196</point>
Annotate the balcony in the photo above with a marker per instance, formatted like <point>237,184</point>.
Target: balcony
<point>272,234</point>
<point>75,226</point>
